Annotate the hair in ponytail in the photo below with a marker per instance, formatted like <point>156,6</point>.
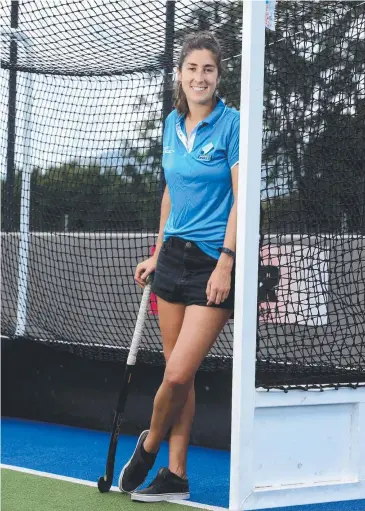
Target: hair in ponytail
<point>196,41</point>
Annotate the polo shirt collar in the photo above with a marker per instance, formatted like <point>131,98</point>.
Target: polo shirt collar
<point>212,117</point>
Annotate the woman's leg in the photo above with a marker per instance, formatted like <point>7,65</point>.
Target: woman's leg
<point>171,318</point>
<point>180,436</point>
<point>200,328</point>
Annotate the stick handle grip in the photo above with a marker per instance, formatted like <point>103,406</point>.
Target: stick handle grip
<point>141,318</point>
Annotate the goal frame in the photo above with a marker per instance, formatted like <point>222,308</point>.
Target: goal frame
<point>287,448</point>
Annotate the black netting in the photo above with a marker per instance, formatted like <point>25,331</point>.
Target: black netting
<point>86,87</point>
<point>313,195</point>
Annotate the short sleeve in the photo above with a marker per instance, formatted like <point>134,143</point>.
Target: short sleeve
<point>233,141</point>
<point>166,136</point>
<point>166,129</point>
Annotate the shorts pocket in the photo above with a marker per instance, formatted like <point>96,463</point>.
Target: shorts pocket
<point>164,278</point>
<point>205,256</point>
<point>210,258</point>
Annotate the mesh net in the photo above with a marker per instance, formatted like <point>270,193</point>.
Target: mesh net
<point>86,87</point>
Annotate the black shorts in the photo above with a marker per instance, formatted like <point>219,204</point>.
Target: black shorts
<point>182,274</point>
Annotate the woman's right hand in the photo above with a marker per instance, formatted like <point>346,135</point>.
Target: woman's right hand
<point>144,269</point>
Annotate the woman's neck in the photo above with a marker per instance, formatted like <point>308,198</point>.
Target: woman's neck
<point>199,112</point>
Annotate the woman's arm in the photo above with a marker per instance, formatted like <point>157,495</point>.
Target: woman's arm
<point>149,265</point>
<point>165,211</point>
<point>219,284</point>
<point>225,260</point>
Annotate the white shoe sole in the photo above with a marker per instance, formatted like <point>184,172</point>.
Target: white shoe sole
<point>126,465</point>
<point>160,498</point>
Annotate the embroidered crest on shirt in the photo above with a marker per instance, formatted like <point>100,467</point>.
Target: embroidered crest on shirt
<point>167,150</point>
<point>205,150</point>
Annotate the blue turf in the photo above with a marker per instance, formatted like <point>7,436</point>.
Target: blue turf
<point>81,453</point>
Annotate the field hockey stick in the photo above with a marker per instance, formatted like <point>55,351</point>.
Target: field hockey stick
<point>105,482</point>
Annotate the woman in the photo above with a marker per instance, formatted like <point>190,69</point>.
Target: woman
<point>194,259</point>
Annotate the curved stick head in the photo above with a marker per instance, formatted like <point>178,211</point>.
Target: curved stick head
<point>104,485</point>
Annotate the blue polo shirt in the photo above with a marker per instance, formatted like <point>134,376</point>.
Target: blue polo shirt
<point>198,175</point>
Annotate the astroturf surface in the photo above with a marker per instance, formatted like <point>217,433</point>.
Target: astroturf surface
<point>26,492</point>
<point>68,452</point>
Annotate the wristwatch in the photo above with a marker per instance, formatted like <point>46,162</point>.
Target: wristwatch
<point>228,251</point>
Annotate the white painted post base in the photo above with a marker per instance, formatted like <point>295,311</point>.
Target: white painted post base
<point>309,447</point>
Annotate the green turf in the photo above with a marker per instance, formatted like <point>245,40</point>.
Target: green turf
<point>26,492</point>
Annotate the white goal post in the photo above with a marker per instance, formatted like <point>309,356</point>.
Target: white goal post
<point>24,134</point>
<point>286,448</point>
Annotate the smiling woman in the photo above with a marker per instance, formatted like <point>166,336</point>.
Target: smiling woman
<point>199,71</point>
<point>194,259</point>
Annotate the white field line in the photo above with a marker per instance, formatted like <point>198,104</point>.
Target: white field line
<point>94,485</point>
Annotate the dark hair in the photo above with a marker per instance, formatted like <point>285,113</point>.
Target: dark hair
<point>197,41</point>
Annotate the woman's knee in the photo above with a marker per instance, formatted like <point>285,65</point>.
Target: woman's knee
<point>177,378</point>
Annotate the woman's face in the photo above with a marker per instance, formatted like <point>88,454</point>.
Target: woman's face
<point>199,77</point>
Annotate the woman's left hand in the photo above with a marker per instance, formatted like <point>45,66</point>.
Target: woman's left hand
<point>219,285</point>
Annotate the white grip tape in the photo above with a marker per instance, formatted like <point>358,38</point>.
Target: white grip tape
<point>133,350</point>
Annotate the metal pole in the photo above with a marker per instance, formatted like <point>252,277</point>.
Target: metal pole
<point>25,204</point>
<point>10,154</point>
<point>247,248</point>
<point>168,69</point>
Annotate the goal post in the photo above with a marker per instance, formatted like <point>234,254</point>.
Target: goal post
<point>20,146</point>
<point>287,448</point>
<point>248,225</point>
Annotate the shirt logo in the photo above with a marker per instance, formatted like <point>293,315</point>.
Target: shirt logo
<point>205,150</point>
<point>168,150</point>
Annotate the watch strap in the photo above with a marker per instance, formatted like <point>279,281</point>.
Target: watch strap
<point>227,251</point>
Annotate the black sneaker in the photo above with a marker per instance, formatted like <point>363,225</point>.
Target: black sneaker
<point>135,471</point>
<point>166,486</point>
